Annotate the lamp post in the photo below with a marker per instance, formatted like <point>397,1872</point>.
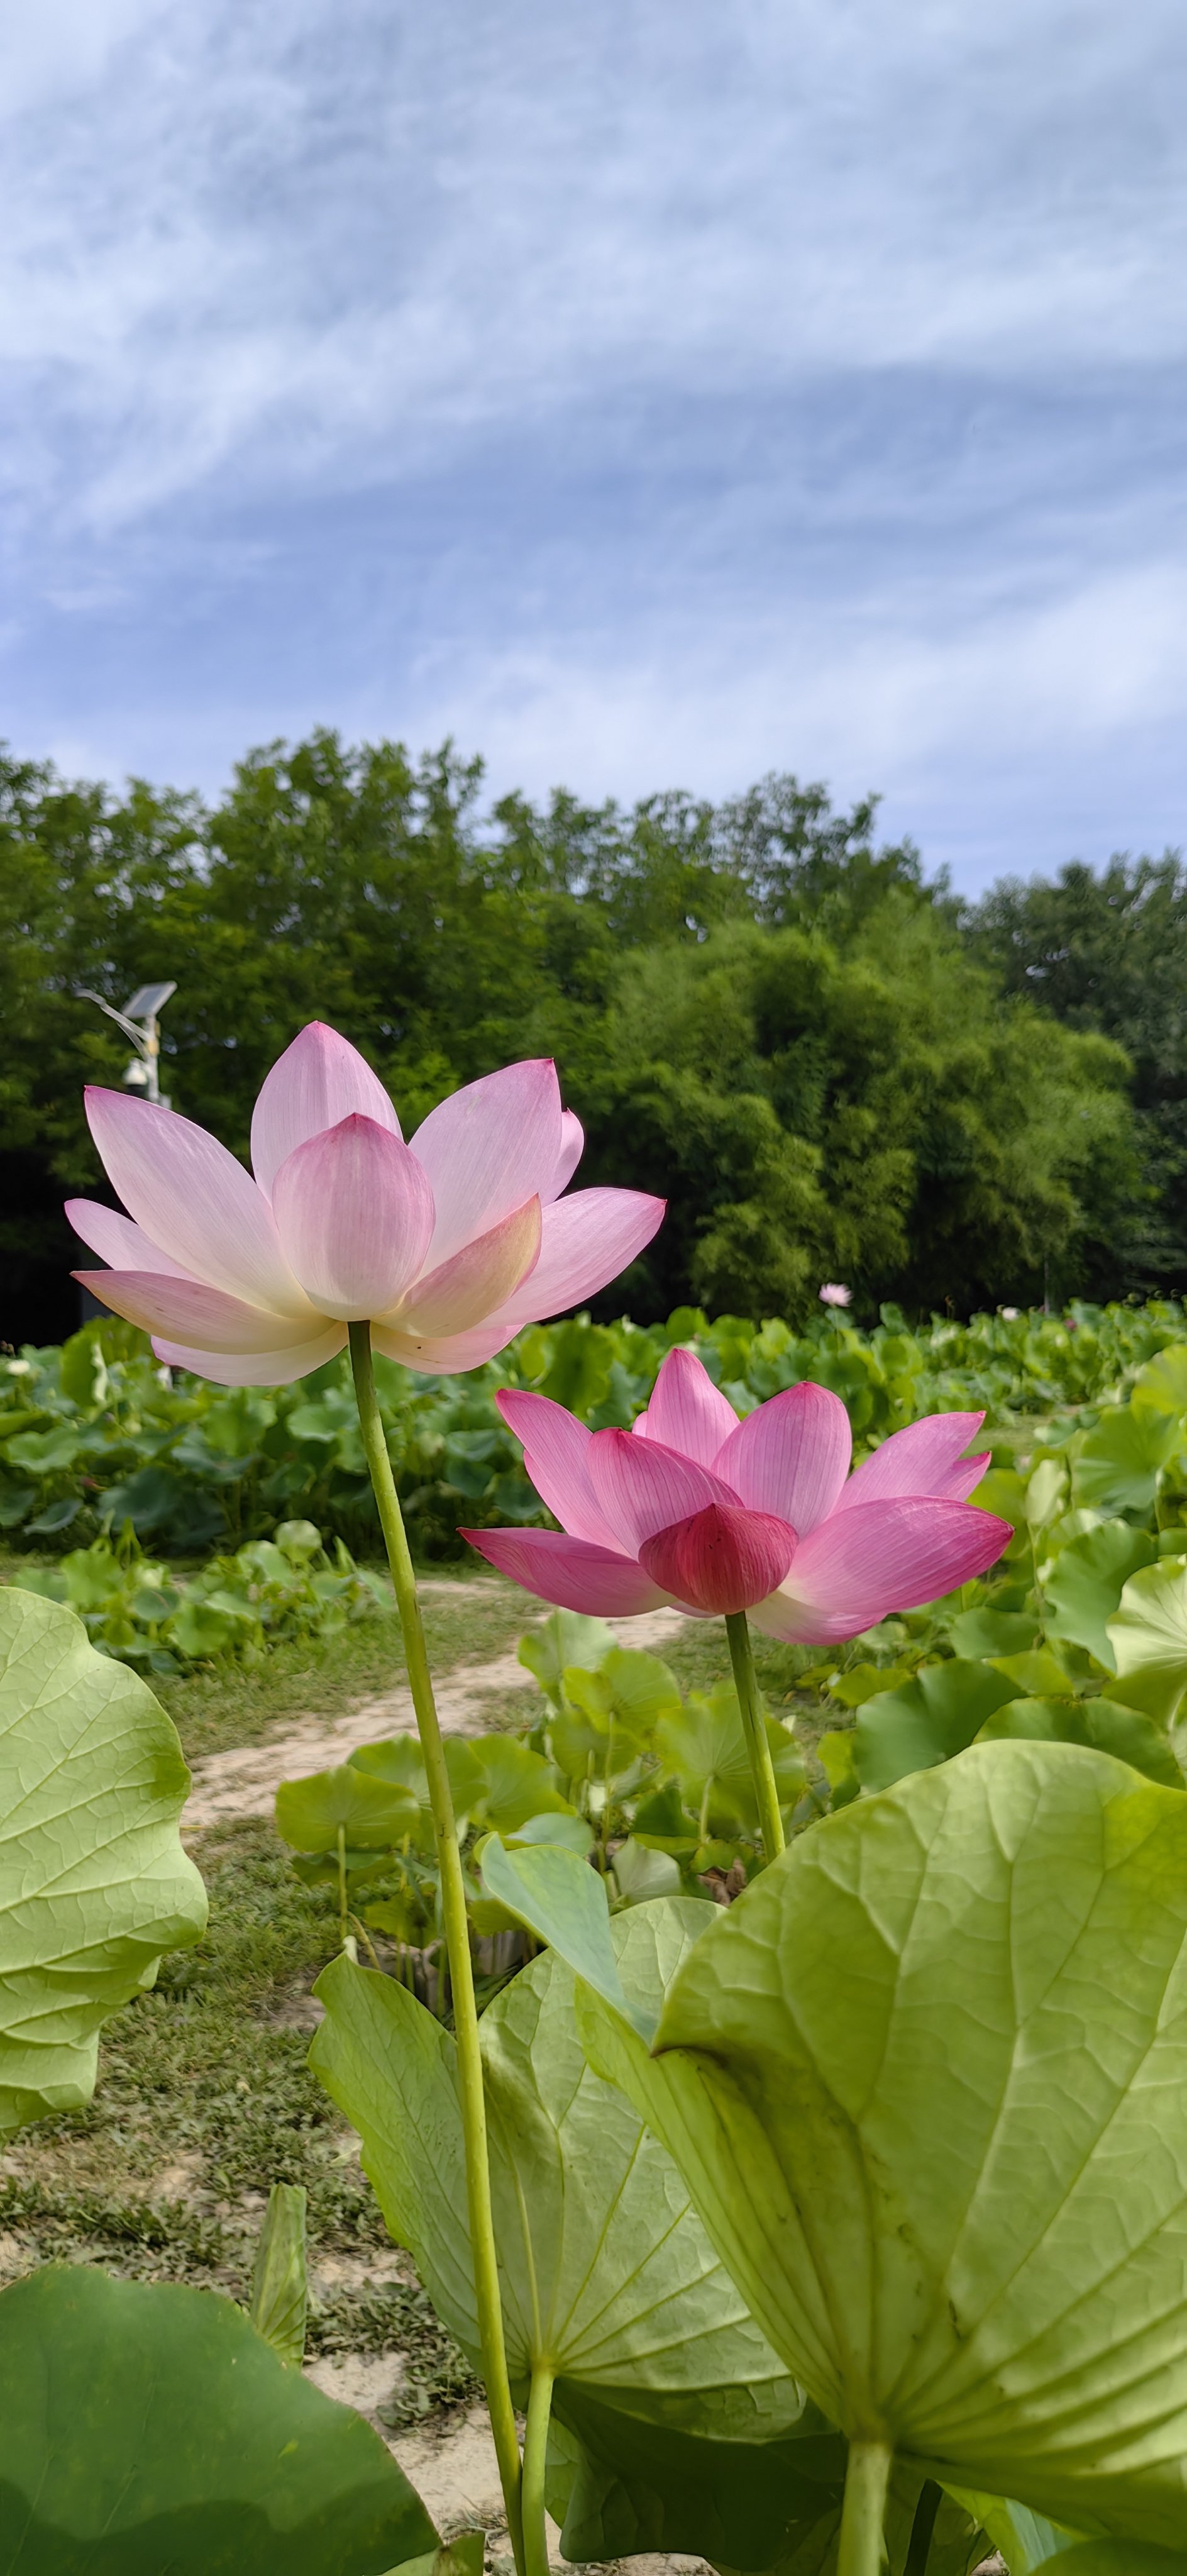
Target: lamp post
<point>139,1021</point>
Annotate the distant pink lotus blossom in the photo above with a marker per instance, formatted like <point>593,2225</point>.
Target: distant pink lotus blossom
<point>708,1514</point>
<point>447,1246</point>
<point>834,1293</point>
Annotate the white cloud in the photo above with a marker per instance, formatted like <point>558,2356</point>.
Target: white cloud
<point>636,393</point>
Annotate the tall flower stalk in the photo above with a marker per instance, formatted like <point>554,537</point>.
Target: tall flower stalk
<point>457,1941</point>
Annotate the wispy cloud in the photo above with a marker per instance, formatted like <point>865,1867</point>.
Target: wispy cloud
<point>638,393</point>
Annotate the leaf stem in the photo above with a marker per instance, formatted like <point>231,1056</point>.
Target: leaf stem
<point>343,1914</point>
<point>457,1941</point>
<point>535,2450</point>
<point>867,2476</point>
<point>754,1729</point>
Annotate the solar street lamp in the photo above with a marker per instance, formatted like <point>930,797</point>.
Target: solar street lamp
<point>139,1021</point>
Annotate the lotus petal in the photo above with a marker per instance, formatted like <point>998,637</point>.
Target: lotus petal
<point>791,1456</point>
<point>722,1560</point>
<point>572,1148</point>
<point>195,1200</point>
<point>923,1459</point>
<point>570,1572</point>
<point>687,1412</point>
<point>643,1487</point>
<point>318,1080</point>
<point>489,1148</point>
<point>172,1304</point>
<point>585,1241</point>
<point>860,1565</point>
<point>474,1282</point>
<point>556,1457</point>
<point>117,1240</point>
<point>255,1368</point>
<point>354,1213</point>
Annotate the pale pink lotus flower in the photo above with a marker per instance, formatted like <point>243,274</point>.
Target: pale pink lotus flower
<point>834,1293</point>
<point>697,1510</point>
<point>448,1246</point>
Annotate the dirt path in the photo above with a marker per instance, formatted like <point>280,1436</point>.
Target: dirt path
<point>244,1781</point>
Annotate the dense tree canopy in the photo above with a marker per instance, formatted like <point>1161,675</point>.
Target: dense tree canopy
<point>755,1007</point>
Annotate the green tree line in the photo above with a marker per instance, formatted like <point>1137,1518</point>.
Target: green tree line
<point>830,1067</point>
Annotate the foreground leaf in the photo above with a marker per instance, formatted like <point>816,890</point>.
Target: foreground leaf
<point>94,1883</point>
<point>606,2272</point>
<point>619,2484</point>
<point>927,2082</point>
<point>148,2430</point>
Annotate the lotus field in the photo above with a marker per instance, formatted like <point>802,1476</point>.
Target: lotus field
<point>783,2098</point>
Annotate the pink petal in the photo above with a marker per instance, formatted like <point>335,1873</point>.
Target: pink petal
<point>567,1571</point>
<point>440,1354</point>
<point>354,1213</point>
<point>642,1487</point>
<point>319,1079</point>
<point>585,1240</point>
<point>117,1240</point>
<point>861,1565</point>
<point>195,1200</point>
<point>257,1368</point>
<point>687,1412</point>
<point>723,1559</point>
<point>572,1148</point>
<point>791,1456</point>
<point>487,1149</point>
<point>556,1457</point>
<point>923,1459</point>
<point>187,1307</point>
<point>468,1288</point>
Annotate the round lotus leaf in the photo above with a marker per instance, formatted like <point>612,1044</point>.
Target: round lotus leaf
<point>94,1883</point>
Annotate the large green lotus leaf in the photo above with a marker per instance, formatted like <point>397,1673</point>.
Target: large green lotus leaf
<point>372,1813</point>
<point>94,1883</point>
<point>1116,1470</point>
<point>1085,1584</point>
<point>607,2273</point>
<point>563,1903</point>
<point>1148,1635</point>
<point>619,2484</point>
<point>925,1721</point>
<point>927,2082</point>
<point>993,1632</point>
<point>148,2430</point>
<point>1101,1723</point>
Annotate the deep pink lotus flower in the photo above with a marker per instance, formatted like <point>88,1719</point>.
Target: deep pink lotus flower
<point>696,1509</point>
<point>448,1246</point>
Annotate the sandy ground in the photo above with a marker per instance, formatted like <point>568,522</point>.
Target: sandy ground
<point>244,1781</point>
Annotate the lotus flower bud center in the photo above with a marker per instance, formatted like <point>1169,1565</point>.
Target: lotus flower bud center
<point>724,1559</point>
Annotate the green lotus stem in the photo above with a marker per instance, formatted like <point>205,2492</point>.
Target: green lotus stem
<point>755,1731</point>
<point>535,2451</point>
<point>457,1942</point>
<point>867,2476</point>
<point>343,1920</point>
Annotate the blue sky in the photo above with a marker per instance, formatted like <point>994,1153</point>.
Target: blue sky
<point>646,395</point>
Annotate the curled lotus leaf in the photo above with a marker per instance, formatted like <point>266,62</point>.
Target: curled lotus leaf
<point>927,2084</point>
